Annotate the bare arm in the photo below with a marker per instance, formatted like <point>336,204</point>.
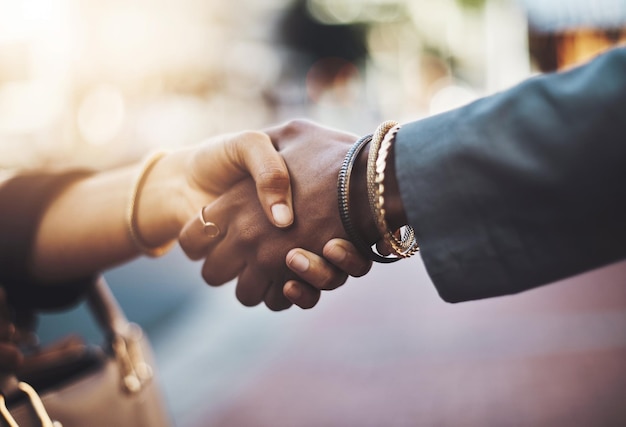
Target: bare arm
<point>85,228</point>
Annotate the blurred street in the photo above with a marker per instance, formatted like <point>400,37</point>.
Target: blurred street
<point>385,351</point>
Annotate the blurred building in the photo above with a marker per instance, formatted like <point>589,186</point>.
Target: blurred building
<point>565,33</point>
<point>99,83</point>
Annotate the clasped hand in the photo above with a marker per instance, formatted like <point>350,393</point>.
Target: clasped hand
<point>277,265</point>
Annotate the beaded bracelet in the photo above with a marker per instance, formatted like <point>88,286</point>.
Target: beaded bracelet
<point>131,214</point>
<point>407,245</point>
<point>343,193</point>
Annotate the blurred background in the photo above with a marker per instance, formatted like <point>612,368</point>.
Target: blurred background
<point>99,84</point>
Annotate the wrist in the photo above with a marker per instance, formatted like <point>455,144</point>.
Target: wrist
<point>394,208</point>
<point>185,196</point>
<point>360,189</point>
<point>158,201</point>
<point>363,220</point>
<point>401,242</point>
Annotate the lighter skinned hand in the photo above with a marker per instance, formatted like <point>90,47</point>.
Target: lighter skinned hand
<point>213,167</point>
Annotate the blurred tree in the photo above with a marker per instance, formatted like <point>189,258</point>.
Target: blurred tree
<point>477,4</point>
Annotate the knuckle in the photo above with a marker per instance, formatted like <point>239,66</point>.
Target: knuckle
<point>308,304</point>
<point>215,273</point>
<point>209,277</point>
<point>238,143</point>
<point>248,235</point>
<point>249,137</point>
<point>278,304</point>
<point>234,151</point>
<point>362,269</point>
<point>250,230</point>
<point>254,138</point>
<point>332,281</point>
<point>254,135</point>
<point>192,253</point>
<point>247,301</point>
<point>273,177</point>
<point>246,298</point>
<point>310,301</point>
<point>185,242</point>
<point>295,126</point>
<point>269,260</point>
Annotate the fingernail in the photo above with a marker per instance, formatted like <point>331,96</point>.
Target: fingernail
<point>299,262</point>
<point>337,254</point>
<point>281,214</point>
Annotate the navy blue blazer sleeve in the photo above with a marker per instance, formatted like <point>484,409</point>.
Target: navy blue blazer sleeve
<point>521,188</point>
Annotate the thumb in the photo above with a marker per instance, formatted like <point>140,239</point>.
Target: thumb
<point>270,173</point>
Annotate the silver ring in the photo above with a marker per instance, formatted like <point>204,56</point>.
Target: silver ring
<point>210,228</point>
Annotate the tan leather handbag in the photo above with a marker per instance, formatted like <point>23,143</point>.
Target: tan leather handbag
<point>110,385</point>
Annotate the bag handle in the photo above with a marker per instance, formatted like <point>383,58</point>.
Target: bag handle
<point>35,402</point>
<point>124,338</point>
<point>106,309</point>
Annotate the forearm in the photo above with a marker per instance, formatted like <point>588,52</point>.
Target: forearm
<point>521,188</point>
<point>514,191</point>
<point>85,228</point>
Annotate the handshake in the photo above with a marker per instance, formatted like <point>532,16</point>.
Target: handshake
<point>272,217</point>
<point>266,208</point>
<point>289,212</point>
<point>495,186</point>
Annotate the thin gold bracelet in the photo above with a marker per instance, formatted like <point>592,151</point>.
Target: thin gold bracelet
<point>131,213</point>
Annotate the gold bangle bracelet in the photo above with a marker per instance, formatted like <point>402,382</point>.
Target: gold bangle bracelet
<point>407,245</point>
<point>131,213</point>
<point>377,140</point>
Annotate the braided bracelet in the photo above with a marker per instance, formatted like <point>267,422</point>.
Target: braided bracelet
<point>377,141</point>
<point>407,245</point>
<point>131,214</point>
<point>343,195</point>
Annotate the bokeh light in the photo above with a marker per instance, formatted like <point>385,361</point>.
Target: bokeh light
<point>101,115</point>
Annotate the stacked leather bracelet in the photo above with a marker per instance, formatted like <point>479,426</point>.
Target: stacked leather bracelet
<point>380,144</point>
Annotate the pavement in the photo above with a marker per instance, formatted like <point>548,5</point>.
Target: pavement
<point>384,350</point>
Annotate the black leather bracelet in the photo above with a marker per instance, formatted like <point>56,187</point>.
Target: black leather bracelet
<point>343,197</point>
